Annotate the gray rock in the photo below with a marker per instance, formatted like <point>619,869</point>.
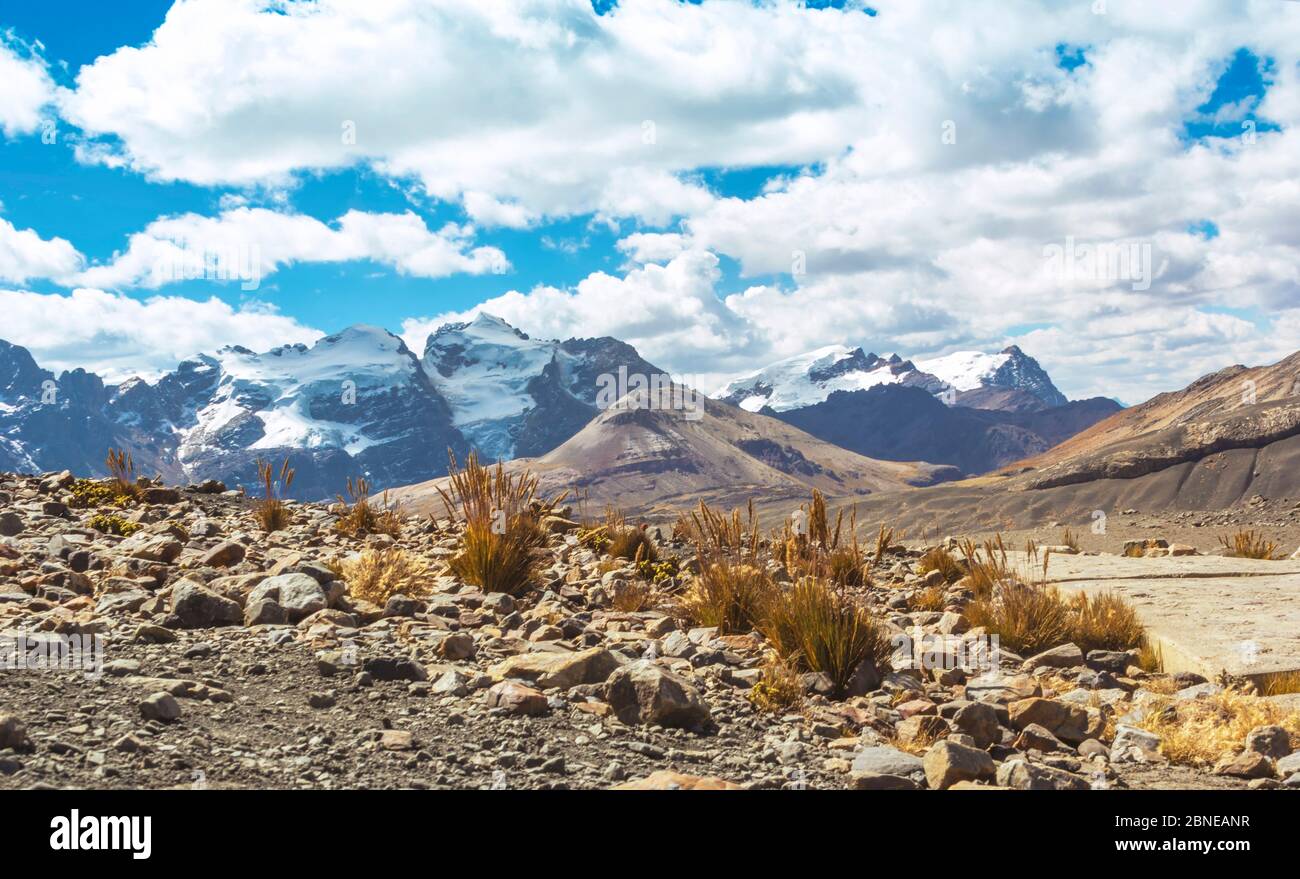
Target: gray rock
<point>197,607</point>
<point>11,523</point>
<point>264,612</point>
<point>642,692</point>
<point>1271,741</point>
<point>884,760</point>
<point>299,594</point>
<point>979,720</point>
<point>1022,775</point>
<point>224,554</point>
<point>1133,745</point>
<point>161,706</point>
<point>1064,656</point>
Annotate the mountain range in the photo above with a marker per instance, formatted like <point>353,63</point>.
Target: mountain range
<point>971,410</point>
<point>360,402</point>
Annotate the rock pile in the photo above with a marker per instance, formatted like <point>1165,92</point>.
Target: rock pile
<point>200,651</point>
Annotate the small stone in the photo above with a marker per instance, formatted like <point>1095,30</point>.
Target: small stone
<point>458,645</point>
<point>397,740</point>
<point>1247,764</point>
<point>160,706</point>
<point>517,698</point>
<point>1038,738</point>
<point>1271,741</point>
<point>947,763</point>
<point>666,779</point>
<point>13,733</point>
<point>224,555</point>
<point>321,700</point>
<point>1022,775</point>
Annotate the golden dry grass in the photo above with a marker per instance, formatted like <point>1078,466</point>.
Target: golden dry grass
<point>376,575</point>
<point>939,559</point>
<point>727,595</point>
<point>502,514</point>
<point>1250,545</point>
<point>271,512</point>
<point>779,689</point>
<point>823,629</point>
<point>361,517</point>
<point>1105,622</point>
<point>1199,732</point>
<point>931,598</point>
<point>1280,683</point>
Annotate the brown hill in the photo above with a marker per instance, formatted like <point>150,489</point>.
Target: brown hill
<point>1206,447</point>
<point>653,461</point>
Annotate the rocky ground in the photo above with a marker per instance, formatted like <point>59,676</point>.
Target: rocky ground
<point>237,658</point>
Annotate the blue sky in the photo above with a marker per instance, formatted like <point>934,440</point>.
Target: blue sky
<point>722,184</point>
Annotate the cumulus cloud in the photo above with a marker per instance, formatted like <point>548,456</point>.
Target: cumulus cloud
<point>24,255</point>
<point>246,244</point>
<point>947,155</point>
<point>27,87</point>
<point>516,108</point>
<point>117,336</point>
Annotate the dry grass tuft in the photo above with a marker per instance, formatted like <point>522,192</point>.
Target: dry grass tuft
<point>1105,622</point>
<point>1070,539</point>
<point>931,598</point>
<point>1250,545</point>
<point>271,512</point>
<point>361,517</point>
<point>1199,732</point>
<point>1026,618</point>
<point>727,595</point>
<point>633,596</point>
<point>1280,683</point>
<point>939,559</point>
<point>823,629</point>
<point>376,575</point>
<point>779,690</point>
<point>121,473</point>
<point>502,516</point>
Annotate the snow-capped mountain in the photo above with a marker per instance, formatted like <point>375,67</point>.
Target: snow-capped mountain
<point>807,379</point>
<point>513,396</point>
<point>1009,369</point>
<point>359,402</point>
<point>1009,380</point>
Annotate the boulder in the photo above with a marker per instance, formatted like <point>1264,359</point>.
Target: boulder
<point>1064,720</point>
<point>979,720</point>
<point>560,669</point>
<point>299,594</point>
<point>1063,656</point>
<point>516,698</point>
<point>643,692</point>
<point>1022,775</point>
<point>224,554</point>
<point>947,763</point>
<point>196,607</point>
<point>1271,741</point>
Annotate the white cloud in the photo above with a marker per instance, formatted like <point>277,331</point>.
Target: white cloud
<point>117,336</point>
<point>247,244</point>
<point>517,107</point>
<point>24,255</point>
<point>27,87</point>
<point>524,109</point>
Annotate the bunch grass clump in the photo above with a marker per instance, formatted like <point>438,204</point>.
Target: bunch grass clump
<point>376,575</point>
<point>820,628</point>
<point>779,690</point>
<point>728,595</point>
<point>1250,545</point>
<point>1199,732</point>
<point>271,512</point>
<point>502,516</point>
<point>361,517</point>
<point>1105,622</point>
<point>939,559</point>
<point>819,550</point>
<point>121,473</point>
